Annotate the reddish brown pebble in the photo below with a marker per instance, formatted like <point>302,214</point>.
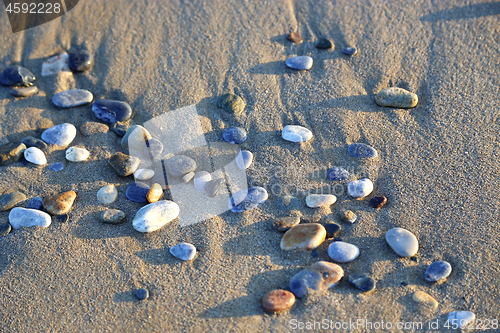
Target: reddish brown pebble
<point>278,300</point>
<point>59,204</point>
<point>295,37</point>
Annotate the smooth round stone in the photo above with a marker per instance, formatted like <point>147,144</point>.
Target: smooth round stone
<point>361,150</point>
<point>278,300</point>
<point>286,223</point>
<point>343,252</point>
<point>299,63</point>
<point>119,129</point>
<point>318,277</point>
<point>295,37</point>
<point>144,174</point>
<point>231,103</point>
<point>378,202</point>
<point>288,202</point>
<point>303,237</point>
<point>350,51</point>
<point>360,188</point>
<point>30,141</point>
<point>320,200</point>
<point>107,194</point>
<point>247,199</point>
<point>11,152</point>
<point>61,135</point>
<point>10,200</point>
<point>153,148</point>
<point>80,61</point>
<point>155,193</point>
<point>142,294</point>
<point>57,166</point>
<point>16,75</point>
<point>438,270</point>
<point>188,176</point>
<point>183,251</point>
<point>135,138</point>
<point>111,111</point>
<point>35,203</point>
<point>180,165</point>
<point>63,218</point>
<point>244,159</point>
<point>35,156</point>
<point>76,154</point>
<point>324,43</point>
<point>396,97</point>
<point>234,135</point>
<point>461,318</point>
<point>295,133</point>
<point>362,282</point>
<point>201,179</point>
<point>24,92</point>
<point>137,192</point>
<point>5,229</point>
<point>213,187</point>
<point>60,203</point>
<point>123,164</point>
<point>403,242</point>
<point>73,97</point>
<point>25,217</point>
<point>348,216</point>
<point>91,127</point>
<point>113,216</point>
<point>332,230</point>
<point>155,215</point>
<point>427,302</point>
<point>55,64</point>
<point>338,174</point>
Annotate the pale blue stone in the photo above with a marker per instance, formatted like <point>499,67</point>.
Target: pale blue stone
<point>247,199</point>
<point>343,252</point>
<point>61,135</point>
<point>299,63</point>
<point>350,51</point>
<point>71,98</point>
<point>183,251</point>
<point>296,133</point>
<point>303,280</point>
<point>338,174</point>
<point>362,150</point>
<point>35,203</point>
<point>234,135</point>
<point>57,166</point>
<point>244,159</point>
<point>438,270</point>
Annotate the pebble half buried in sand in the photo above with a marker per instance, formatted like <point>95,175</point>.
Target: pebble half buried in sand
<point>24,217</point>
<point>286,223</point>
<point>360,188</point>
<point>303,237</point>
<point>396,97</point>
<point>300,63</point>
<point>318,277</point>
<point>295,37</point>
<point>361,150</point>
<point>183,251</point>
<point>60,203</point>
<point>76,154</point>
<point>61,135</point>
<point>35,156</point>
<point>403,242</point>
<point>247,199</point>
<point>231,103</point>
<point>72,98</point>
<point>426,302</point>
<point>278,300</point>
<point>362,282</point>
<point>343,252</point>
<point>155,215</point>
<point>295,133</point>
<point>111,111</point>
<point>320,200</point>
<point>16,75</point>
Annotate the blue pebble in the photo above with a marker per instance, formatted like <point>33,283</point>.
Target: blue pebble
<point>288,202</point>
<point>303,280</point>
<point>57,166</point>
<point>35,203</point>
<point>16,75</point>
<point>247,199</point>
<point>300,63</point>
<point>438,270</point>
<point>111,111</point>
<point>234,135</point>
<point>137,192</point>
<point>72,97</point>
<point>153,148</point>
<point>338,174</point>
<point>314,253</point>
<point>80,61</point>
<point>362,150</point>
<point>119,128</point>
<point>350,51</point>
<point>142,294</point>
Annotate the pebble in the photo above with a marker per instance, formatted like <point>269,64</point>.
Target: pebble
<point>80,61</point>
<point>318,277</point>
<point>35,156</point>
<point>25,217</point>
<point>278,300</point>
<point>30,141</point>
<point>180,165</point>
<point>234,135</point>
<point>288,202</point>
<point>303,237</point>
<point>119,129</point>
<point>111,111</point>
<point>438,270</point>
<point>396,97</point>
<point>299,63</point>
<point>113,216</point>
<point>91,127</point>
<point>153,148</point>
<point>57,166</point>
<point>247,199</point>
<point>135,138</point>
<point>137,192</point>
<point>11,152</point>
<point>55,64</point>
<point>295,133</point>
<point>16,75</point>
<point>35,203</point>
<point>348,216</point>
<point>231,103</point>
<point>213,187</point>
<point>403,242</point>
<point>244,159</point>
<point>343,252</point>
<point>461,318</point>
<point>362,282</point>
<point>188,176</point>
<point>286,223</point>
<point>60,203</point>
<point>10,200</point>
<point>155,193</point>
<point>123,164</point>
<point>63,218</point>
<point>142,294</point>
<point>350,51</point>
<point>361,150</point>
<point>324,43</point>
<point>155,215</point>
<point>76,154</point>
<point>320,200</point>
<point>338,174</point>
<point>24,92</point>
<point>378,202</point>
<point>201,179</point>
<point>427,302</point>
<point>144,174</point>
<point>61,135</point>
<point>183,251</point>
<point>5,229</point>
<point>295,37</point>
<point>107,194</point>
<point>332,230</point>
<point>73,97</point>
<point>360,188</point>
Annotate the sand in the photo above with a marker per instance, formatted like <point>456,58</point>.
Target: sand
<point>438,164</point>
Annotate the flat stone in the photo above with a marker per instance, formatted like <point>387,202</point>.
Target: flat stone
<point>295,133</point>
<point>72,98</point>
<point>5,229</point>
<point>320,200</point>
<point>426,302</point>
<point>25,217</point>
<point>107,194</point>
<point>244,159</point>
<point>11,152</point>
<point>183,251</point>
<point>397,98</point>
<point>231,103</point>
<point>155,193</point>
<point>61,135</point>
<point>338,174</point>
<point>113,216</point>
<point>91,127</point>
<point>142,294</point>
<point>378,202</point>
<point>278,300</point>
<point>123,164</point>
<point>55,64</point>
<point>295,37</point>
<point>111,111</point>
<point>30,141</point>
<point>11,200</point>
<point>324,43</point>
<point>24,92</point>
<point>16,76</point>
<point>361,150</point>
<point>286,223</point>
<point>288,202</point>
<point>201,179</point>
<point>155,215</point>
<point>80,61</point>
<point>153,148</point>
<point>137,192</point>
<point>213,187</point>
<point>35,203</point>
<point>234,135</point>
<point>63,218</point>
<point>438,270</point>
<point>188,176</point>
<point>343,252</point>
<point>332,230</point>
<point>360,188</point>
<point>179,165</point>
<point>303,237</point>
<point>144,174</point>
<point>135,138</point>
<point>403,242</point>
<point>57,166</point>
<point>119,129</point>
<point>461,318</point>
<point>348,216</point>
<point>76,154</point>
<point>299,63</point>
<point>60,203</point>
<point>362,282</point>
<point>247,199</point>
<point>35,156</point>
<point>318,277</point>
<point>350,51</point>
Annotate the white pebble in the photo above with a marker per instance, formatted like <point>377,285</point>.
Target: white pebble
<point>200,179</point>
<point>319,200</point>
<point>76,154</point>
<point>35,155</point>
<point>25,217</point>
<point>360,188</point>
<point>296,133</point>
<point>183,251</point>
<point>155,215</point>
<point>56,64</point>
<point>107,194</point>
<point>188,176</point>
<point>144,174</point>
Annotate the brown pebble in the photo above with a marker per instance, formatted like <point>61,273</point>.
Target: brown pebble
<point>303,237</point>
<point>91,127</point>
<point>155,193</point>
<point>278,300</point>
<point>426,302</point>
<point>60,203</point>
<point>295,37</point>
<point>286,223</point>
<point>24,92</point>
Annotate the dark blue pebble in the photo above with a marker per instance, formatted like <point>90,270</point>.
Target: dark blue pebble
<point>80,61</point>
<point>332,230</point>
<point>314,253</point>
<point>137,192</point>
<point>288,202</point>
<point>35,203</point>
<point>362,282</point>
<point>30,141</point>
<point>119,129</point>
<point>324,43</point>
<point>252,197</point>
<point>349,50</point>
<point>338,174</point>
<point>16,75</point>
<point>234,135</point>
<point>303,280</point>
<point>153,148</point>
<point>5,229</point>
<point>438,270</point>
<point>61,218</point>
<point>111,111</point>
<point>404,284</point>
<point>57,166</point>
<point>362,150</point>
<point>378,202</point>
<point>142,294</point>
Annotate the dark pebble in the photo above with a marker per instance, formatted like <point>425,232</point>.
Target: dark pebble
<point>378,202</point>
<point>332,230</point>
<point>153,148</point>
<point>35,203</point>
<point>295,37</point>
<point>362,150</point>
<point>142,294</point>
<point>11,152</point>
<point>338,174</point>
<point>234,135</point>
<point>80,61</point>
<point>404,284</point>
<point>337,239</point>
<point>324,43</point>
<point>119,128</point>
<point>137,192</point>
<point>61,218</point>
<point>57,166</point>
<point>111,111</point>
<point>16,75</point>
<point>5,229</point>
<point>30,141</point>
<point>350,51</point>
<point>314,253</point>
<point>123,164</point>
<point>231,103</point>
<point>415,259</point>
<point>10,200</point>
<point>362,282</point>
